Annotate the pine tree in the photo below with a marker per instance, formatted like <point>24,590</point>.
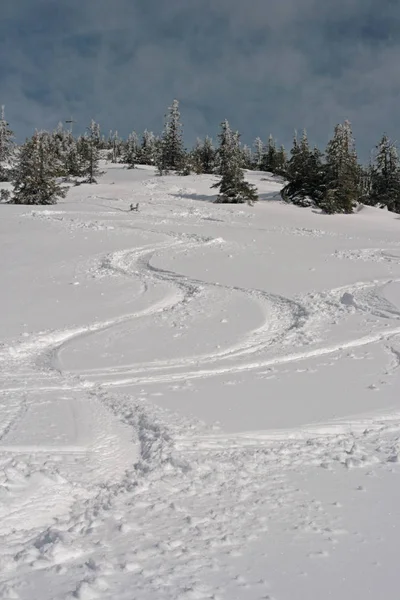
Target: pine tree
<point>317,176</point>
<point>148,150</point>
<point>114,144</point>
<point>7,148</point>
<point>227,149</point>
<point>171,154</point>
<point>281,162</point>
<point>65,149</point>
<point>35,178</point>
<point>343,173</point>
<point>232,186</point>
<point>385,176</point>
<point>259,151</point>
<point>131,151</point>
<point>188,165</point>
<point>95,134</point>
<point>89,153</point>
<point>269,162</point>
<point>202,157</point>
<point>61,146</point>
<point>247,157</point>
<point>207,156</point>
<point>304,172</point>
<point>72,161</point>
<point>195,157</point>
<point>366,184</point>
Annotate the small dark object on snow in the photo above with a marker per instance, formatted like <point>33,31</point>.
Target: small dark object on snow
<point>136,207</point>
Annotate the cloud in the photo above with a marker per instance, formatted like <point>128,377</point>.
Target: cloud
<point>266,66</point>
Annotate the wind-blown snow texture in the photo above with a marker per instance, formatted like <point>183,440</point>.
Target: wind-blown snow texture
<point>198,400</point>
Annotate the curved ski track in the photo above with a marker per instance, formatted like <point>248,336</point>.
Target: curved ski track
<point>287,321</point>
<point>298,322</point>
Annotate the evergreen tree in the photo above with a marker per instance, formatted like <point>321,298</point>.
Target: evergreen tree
<point>89,153</point>
<point>207,156</point>
<point>228,143</point>
<point>247,157</point>
<point>189,164</point>
<point>366,184</point>
<point>35,178</point>
<point>131,151</point>
<point>259,151</point>
<point>95,134</point>
<point>115,144</point>
<point>317,176</point>
<point>171,153</point>
<point>385,176</point>
<point>6,148</point>
<point>232,186</point>
<point>60,142</point>
<point>281,162</point>
<point>305,174</point>
<point>65,149</point>
<point>148,150</point>
<point>110,138</point>
<point>195,157</point>
<point>103,143</point>
<point>269,162</point>
<point>343,173</point>
<point>201,160</point>
<point>72,160</point>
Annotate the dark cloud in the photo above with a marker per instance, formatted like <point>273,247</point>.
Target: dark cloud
<point>267,66</point>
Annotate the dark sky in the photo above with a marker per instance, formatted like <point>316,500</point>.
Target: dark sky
<point>265,65</point>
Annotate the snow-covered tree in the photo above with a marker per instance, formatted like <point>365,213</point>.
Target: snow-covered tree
<point>95,133</point>
<point>304,172</point>
<point>148,150</point>
<point>73,164</point>
<point>281,162</point>
<point>208,156</point>
<point>194,158</point>
<point>171,152</point>
<point>385,176</point>
<point>204,156</point>
<point>258,156</point>
<point>115,145</point>
<point>298,190</point>
<point>35,175</point>
<point>228,147</point>
<point>89,153</point>
<point>269,162</point>
<point>343,173</point>
<point>200,160</point>
<point>7,147</point>
<point>247,157</point>
<point>60,145</point>
<point>233,188</point>
<point>131,150</point>
<point>366,184</point>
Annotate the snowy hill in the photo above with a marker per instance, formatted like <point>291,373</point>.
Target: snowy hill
<point>197,400</point>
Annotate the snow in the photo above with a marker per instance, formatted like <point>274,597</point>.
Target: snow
<point>197,400</point>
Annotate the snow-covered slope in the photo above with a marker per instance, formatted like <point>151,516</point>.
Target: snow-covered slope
<point>197,400</point>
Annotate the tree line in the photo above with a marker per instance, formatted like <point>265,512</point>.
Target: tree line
<point>334,180</point>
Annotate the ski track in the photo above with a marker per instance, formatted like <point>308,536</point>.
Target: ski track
<point>300,320</point>
<point>285,320</point>
<point>177,503</point>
